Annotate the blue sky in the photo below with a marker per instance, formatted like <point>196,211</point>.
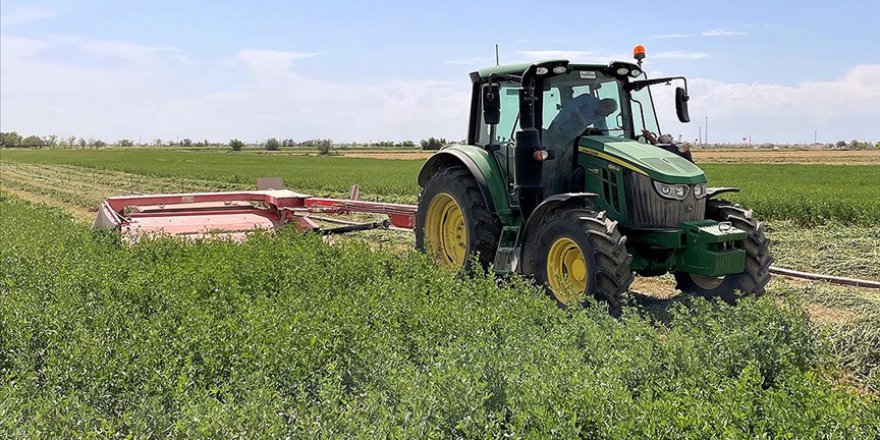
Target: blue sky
<point>772,71</point>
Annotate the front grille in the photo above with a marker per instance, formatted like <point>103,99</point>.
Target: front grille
<point>648,210</point>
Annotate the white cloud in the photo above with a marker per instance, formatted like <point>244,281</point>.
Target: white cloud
<point>722,33</point>
<point>844,108</point>
<point>159,97</point>
<point>276,58</point>
<point>257,94</point>
<point>710,33</point>
<point>680,55</point>
<point>25,15</point>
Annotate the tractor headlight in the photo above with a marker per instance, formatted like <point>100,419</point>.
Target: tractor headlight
<point>664,189</point>
<point>674,192</point>
<point>700,190</point>
<point>680,191</point>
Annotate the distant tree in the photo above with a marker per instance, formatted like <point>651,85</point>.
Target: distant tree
<point>51,141</point>
<point>186,142</point>
<point>271,144</point>
<point>97,143</point>
<point>33,142</point>
<point>125,143</point>
<point>236,144</point>
<point>71,141</point>
<point>840,144</point>
<point>288,143</point>
<point>856,145</point>
<point>158,142</point>
<point>82,143</point>
<point>10,139</point>
<point>324,146</point>
<point>432,144</point>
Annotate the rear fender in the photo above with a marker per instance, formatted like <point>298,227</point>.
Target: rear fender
<point>482,166</point>
<point>559,201</point>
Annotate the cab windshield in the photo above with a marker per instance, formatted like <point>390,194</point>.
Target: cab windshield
<point>589,102</point>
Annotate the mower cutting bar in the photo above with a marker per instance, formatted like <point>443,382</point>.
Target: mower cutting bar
<point>402,216</point>
<point>234,213</point>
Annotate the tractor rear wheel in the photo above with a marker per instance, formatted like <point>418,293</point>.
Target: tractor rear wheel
<point>756,275</point>
<point>453,222</point>
<point>576,254</point>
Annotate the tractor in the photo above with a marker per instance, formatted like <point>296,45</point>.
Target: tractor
<point>567,178</point>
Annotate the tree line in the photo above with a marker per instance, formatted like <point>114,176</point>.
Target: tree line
<point>324,146</point>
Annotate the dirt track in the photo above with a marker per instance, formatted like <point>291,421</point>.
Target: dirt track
<point>756,156</point>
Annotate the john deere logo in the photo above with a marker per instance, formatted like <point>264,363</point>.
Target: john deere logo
<point>689,208</point>
<point>614,168</point>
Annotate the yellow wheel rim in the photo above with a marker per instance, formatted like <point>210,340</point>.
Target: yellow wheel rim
<point>446,231</point>
<point>567,271</point>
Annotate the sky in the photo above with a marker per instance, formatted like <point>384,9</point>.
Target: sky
<point>769,71</point>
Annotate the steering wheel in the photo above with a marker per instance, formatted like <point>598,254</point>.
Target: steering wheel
<point>593,131</point>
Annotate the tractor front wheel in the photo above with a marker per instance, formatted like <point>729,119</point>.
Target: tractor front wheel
<point>453,222</point>
<point>576,254</point>
<point>756,275</point>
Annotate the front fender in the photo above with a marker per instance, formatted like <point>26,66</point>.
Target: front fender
<point>712,192</point>
<point>482,166</point>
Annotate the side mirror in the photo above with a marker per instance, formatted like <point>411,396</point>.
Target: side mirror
<point>681,104</point>
<point>491,104</point>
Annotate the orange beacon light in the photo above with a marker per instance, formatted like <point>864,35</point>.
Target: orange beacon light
<point>639,53</point>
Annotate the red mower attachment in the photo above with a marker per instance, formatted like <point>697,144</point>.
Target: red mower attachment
<point>234,214</point>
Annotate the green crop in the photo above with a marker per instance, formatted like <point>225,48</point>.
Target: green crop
<point>286,336</point>
<point>811,194</point>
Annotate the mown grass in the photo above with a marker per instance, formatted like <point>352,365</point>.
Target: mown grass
<point>832,248</point>
<point>285,336</point>
<point>850,320</point>
<point>306,173</point>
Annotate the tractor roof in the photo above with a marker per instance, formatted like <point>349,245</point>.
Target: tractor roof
<point>519,69</point>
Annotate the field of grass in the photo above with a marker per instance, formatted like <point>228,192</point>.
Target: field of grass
<point>285,336</point>
<point>808,194</point>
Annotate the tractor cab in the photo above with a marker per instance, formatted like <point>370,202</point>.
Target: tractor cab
<point>570,101</point>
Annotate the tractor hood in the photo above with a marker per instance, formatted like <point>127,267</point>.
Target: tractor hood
<point>652,161</point>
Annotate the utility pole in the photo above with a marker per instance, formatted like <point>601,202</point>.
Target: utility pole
<point>707,131</point>
<point>700,135</point>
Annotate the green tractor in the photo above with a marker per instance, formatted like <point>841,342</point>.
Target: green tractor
<point>567,178</point>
